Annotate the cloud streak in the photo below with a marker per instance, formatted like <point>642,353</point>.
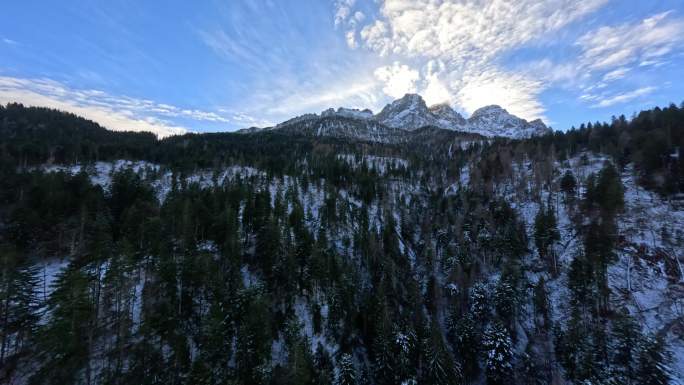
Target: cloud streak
<point>119,113</point>
<point>621,98</point>
<point>647,41</point>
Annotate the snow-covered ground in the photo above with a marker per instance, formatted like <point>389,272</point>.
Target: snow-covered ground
<point>647,278</point>
<point>380,164</point>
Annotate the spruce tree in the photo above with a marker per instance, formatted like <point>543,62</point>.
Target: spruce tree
<point>626,341</point>
<point>653,361</point>
<point>498,350</point>
<point>346,372</point>
<point>440,367</point>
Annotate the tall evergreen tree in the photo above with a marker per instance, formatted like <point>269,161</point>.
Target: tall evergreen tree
<point>498,350</point>
<point>346,372</point>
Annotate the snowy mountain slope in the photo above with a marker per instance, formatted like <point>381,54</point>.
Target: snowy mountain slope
<point>343,127</point>
<point>446,117</point>
<point>644,280</point>
<point>647,279</point>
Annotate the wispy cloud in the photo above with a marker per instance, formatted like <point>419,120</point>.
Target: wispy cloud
<point>358,92</point>
<point>114,112</point>
<point>619,98</point>
<point>9,41</point>
<point>616,74</point>
<point>645,42</point>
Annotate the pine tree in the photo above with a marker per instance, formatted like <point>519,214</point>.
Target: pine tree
<point>653,360</point>
<point>505,300</point>
<point>609,191</point>
<point>466,339</point>
<point>405,345</point>
<point>18,302</point>
<point>346,372</point>
<point>479,305</point>
<point>546,234</point>
<point>440,367</point>
<point>383,357</point>
<point>66,350</point>
<point>532,370</point>
<point>626,337</point>
<point>323,366</point>
<point>568,184</point>
<point>498,351</point>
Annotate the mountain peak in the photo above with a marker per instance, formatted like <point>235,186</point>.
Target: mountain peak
<point>348,113</point>
<point>410,112</point>
<point>446,116</point>
<point>493,120</point>
<point>489,110</point>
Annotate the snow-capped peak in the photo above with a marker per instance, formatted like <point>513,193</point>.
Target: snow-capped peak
<point>410,113</point>
<point>491,110</point>
<point>446,116</point>
<point>494,120</point>
<point>348,113</point>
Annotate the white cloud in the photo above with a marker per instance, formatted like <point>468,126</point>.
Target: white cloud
<point>616,74</point>
<point>468,30</point>
<point>375,37</point>
<point>436,90</point>
<point>620,98</point>
<point>644,42</point>
<point>398,79</point>
<point>351,39</point>
<point>114,112</point>
<point>515,92</point>
<point>467,38</point>
<point>343,9</point>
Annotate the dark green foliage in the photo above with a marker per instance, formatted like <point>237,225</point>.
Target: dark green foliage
<point>347,374</point>
<point>546,234</point>
<point>627,339</point>
<point>18,302</point>
<point>66,341</point>
<point>568,183</point>
<point>605,191</point>
<point>466,339</point>
<point>440,367</point>
<point>653,360</point>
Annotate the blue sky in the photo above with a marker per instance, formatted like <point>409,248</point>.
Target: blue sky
<point>175,66</point>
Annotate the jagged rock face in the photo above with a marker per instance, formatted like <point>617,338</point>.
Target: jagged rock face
<point>348,113</point>
<point>408,114</point>
<point>340,126</point>
<point>496,121</point>
<point>446,116</point>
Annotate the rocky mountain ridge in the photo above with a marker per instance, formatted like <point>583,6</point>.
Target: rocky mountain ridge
<point>410,113</point>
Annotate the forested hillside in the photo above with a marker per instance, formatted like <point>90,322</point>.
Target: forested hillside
<point>292,256</point>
